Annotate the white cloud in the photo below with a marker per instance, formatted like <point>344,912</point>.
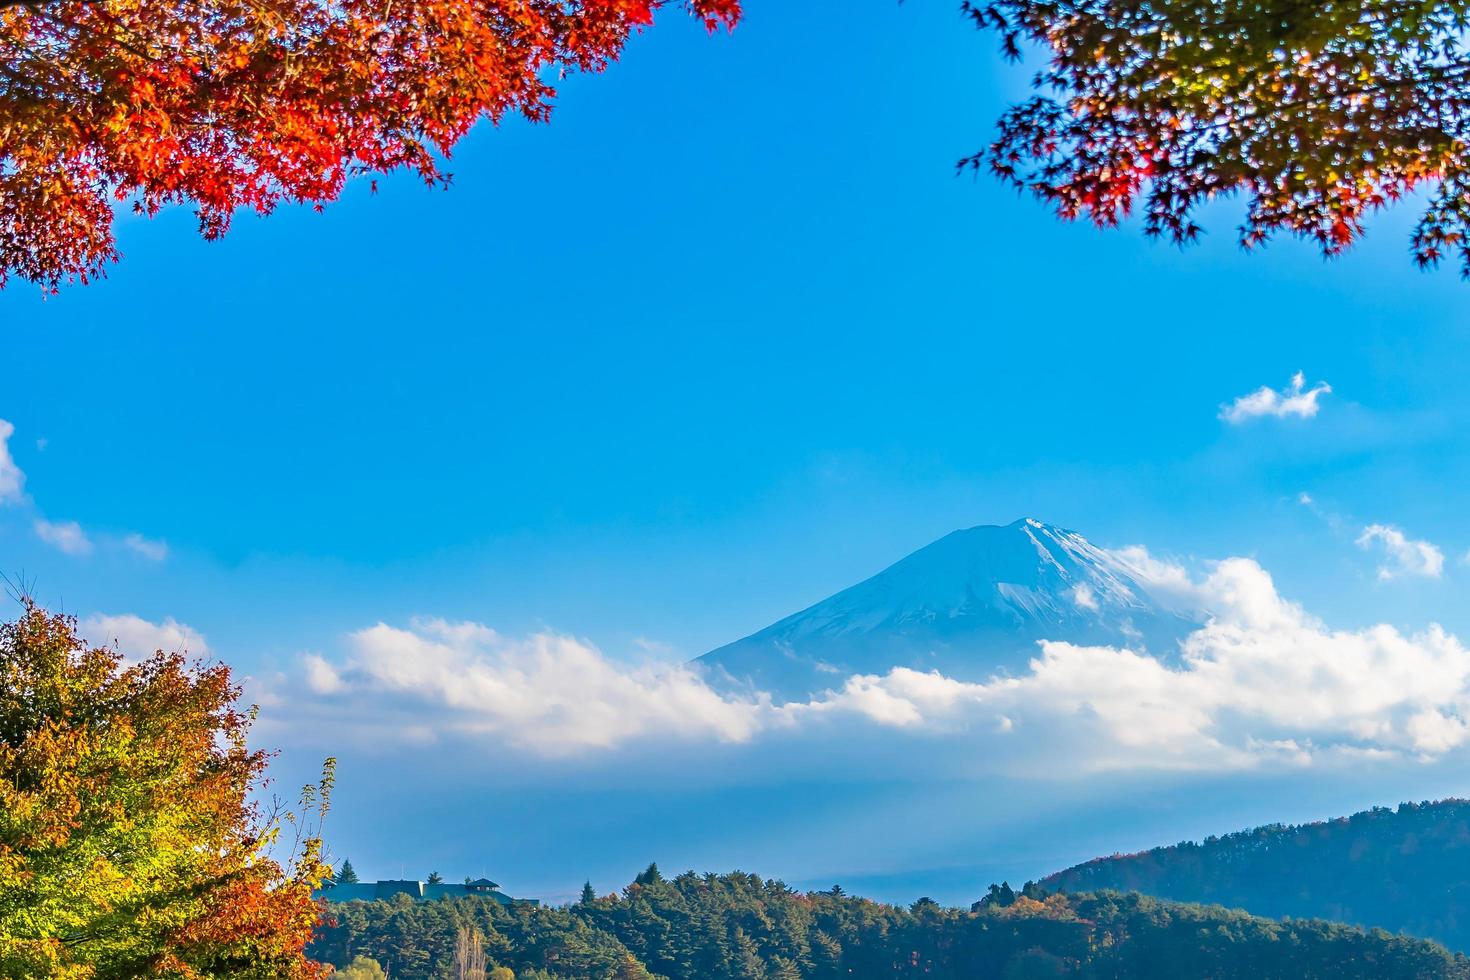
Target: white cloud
<point>321,676</point>
<point>1156,573</point>
<point>655,648</point>
<point>547,692</point>
<point>1168,581</point>
<point>1294,400</point>
<point>139,545</point>
<point>1337,522</point>
<point>71,538</point>
<point>137,638</point>
<point>1082,595</point>
<point>1403,555</point>
<point>12,480</point>
<point>1262,681</point>
<point>66,536</point>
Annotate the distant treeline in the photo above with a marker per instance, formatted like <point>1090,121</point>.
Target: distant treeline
<point>742,927</point>
<point>1405,870</point>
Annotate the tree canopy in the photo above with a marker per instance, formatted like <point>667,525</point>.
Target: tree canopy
<point>129,845</point>
<point>1317,113</point>
<point>231,104</point>
<point>1398,869</point>
<point>743,927</point>
<point>361,968</point>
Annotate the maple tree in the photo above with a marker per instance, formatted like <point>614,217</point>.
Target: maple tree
<point>129,842</point>
<point>1317,113</point>
<point>231,104</point>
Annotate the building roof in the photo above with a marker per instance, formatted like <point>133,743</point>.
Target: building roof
<point>387,889</point>
<point>369,891</point>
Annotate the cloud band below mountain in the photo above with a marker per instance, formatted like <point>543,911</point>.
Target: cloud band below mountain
<point>1262,683</point>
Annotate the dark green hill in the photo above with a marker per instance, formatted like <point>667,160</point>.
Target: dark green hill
<point>1404,870</point>
<point>740,927</point>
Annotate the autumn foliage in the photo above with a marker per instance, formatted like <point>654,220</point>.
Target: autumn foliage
<point>1316,114</point>
<point>129,845</point>
<point>231,104</point>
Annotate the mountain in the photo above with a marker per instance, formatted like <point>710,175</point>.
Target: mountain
<point>1404,870</point>
<point>970,604</point>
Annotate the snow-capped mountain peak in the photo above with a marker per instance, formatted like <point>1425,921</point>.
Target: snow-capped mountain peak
<point>973,603</point>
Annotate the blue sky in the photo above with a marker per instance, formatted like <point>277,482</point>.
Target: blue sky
<point>726,336</point>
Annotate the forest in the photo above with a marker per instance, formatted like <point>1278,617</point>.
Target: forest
<point>1401,869</point>
<point>740,926</point>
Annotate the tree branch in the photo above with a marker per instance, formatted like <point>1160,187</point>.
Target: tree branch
<point>33,4</point>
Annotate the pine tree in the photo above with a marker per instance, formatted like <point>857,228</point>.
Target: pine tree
<point>784,969</point>
<point>631,969</point>
<point>435,878</point>
<point>588,895</point>
<point>747,960</point>
<point>1000,896</point>
<point>347,876</point>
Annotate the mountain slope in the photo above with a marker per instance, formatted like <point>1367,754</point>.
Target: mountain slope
<point>1402,870</point>
<point>973,602</point>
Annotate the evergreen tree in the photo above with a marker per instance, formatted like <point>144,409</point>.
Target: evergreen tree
<point>784,969</point>
<point>347,875</point>
<point>435,878</point>
<point>748,962</point>
<point>1000,896</point>
<point>588,895</point>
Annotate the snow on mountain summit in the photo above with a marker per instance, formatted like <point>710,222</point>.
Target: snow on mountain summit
<point>973,603</point>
